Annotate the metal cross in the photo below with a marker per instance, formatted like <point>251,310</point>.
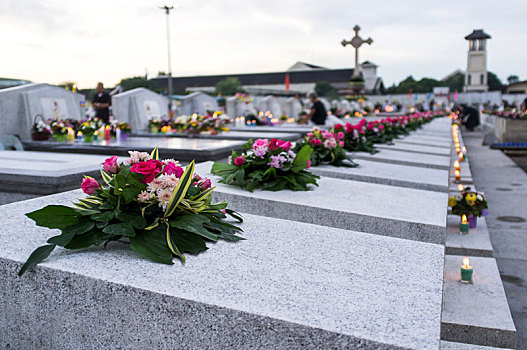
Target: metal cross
<point>356,42</point>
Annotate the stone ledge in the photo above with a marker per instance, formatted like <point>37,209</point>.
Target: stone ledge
<point>476,243</point>
<point>476,313</point>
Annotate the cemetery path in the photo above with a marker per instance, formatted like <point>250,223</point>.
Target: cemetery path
<point>505,186</point>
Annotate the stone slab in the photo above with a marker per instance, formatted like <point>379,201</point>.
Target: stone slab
<point>423,141</point>
<point>389,174</point>
<point>405,147</point>
<point>351,205</point>
<point>476,243</point>
<point>45,172</point>
<point>476,313</point>
<point>231,135</point>
<point>283,128</point>
<point>447,345</point>
<point>289,285</point>
<point>169,147</point>
<point>406,158</point>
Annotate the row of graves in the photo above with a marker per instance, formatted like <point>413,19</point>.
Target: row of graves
<point>367,235</point>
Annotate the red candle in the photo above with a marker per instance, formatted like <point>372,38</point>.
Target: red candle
<point>107,135</point>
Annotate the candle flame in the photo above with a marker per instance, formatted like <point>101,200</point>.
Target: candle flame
<point>456,164</point>
<point>107,127</point>
<point>464,149</point>
<point>460,187</point>
<point>466,263</point>
<point>464,219</point>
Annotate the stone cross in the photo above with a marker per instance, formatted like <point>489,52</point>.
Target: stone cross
<point>356,42</point>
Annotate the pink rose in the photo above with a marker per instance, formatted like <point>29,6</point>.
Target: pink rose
<point>313,142</point>
<point>204,183</point>
<point>341,143</point>
<point>308,164</point>
<point>310,135</point>
<point>340,135</point>
<point>239,161</point>
<point>149,169</point>
<point>172,169</point>
<point>90,185</point>
<point>286,145</point>
<point>318,142</point>
<point>260,147</point>
<point>110,165</point>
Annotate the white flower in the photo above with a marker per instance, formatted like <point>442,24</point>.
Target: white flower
<point>479,197</point>
<point>170,160</point>
<point>458,196</point>
<point>144,196</point>
<point>141,156</point>
<point>163,197</point>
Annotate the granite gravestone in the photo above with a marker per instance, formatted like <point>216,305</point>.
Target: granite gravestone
<point>136,106</point>
<point>270,104</point>
<point>237,107</point>
<point>292,108</point>
<point>19,106</point>
<point>197,102</point>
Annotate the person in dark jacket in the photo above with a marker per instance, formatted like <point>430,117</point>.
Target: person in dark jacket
<point>102,102</point>
<point>318,112</point>
<point>469,117</point>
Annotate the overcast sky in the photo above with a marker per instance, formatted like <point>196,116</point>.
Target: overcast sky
<point>87,41</point>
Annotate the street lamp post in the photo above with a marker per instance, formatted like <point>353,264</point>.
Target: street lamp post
<point>167,11</point>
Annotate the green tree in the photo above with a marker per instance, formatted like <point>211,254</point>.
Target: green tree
<point>136,82</point>
<point>494,82</point>
<point>325,89</point>
<point>511,79</point>
<point>228,86</point>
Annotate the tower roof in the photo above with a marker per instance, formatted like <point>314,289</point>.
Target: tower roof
<point>477,34</point>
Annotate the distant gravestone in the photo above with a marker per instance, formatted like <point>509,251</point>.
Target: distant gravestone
<point>197,102</point>
<point>325,103</point>
<point>292,107</point>
<point>270,103</point>
<point>19,106</point>
<point>346,107</point>
<point>237,107</point>
<point>136,106</point>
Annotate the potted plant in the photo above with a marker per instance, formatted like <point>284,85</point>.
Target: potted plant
<point>470,203</point>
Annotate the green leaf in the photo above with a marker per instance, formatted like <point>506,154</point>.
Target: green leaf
<point>103,217</point>
<point>129,194</point>
<point>80,228</point>
<point>301,158</point>
<point>193,223</point>
<point>55,216</point>
<point>153,245</point>
<point>188,242</point>
<point>234,214</point>
<point>137,221</point>
<point>180,190</point>
<point>88,239</point>
<point>239,177</point>
<point>62,240</point>
<point>123,229</point>
<point>36,257</point>
<point>223,169</point>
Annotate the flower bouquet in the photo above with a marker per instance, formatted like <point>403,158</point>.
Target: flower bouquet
<point>212,124</point>
<point>269,165</point>
<point>327,148</point>
<point>40,130</point>
<point>469,203</point>
<point>163,209</point>
<point>59,128</point>
<point>154,124</point>
<point>88,128</point>
<point>355,139</point>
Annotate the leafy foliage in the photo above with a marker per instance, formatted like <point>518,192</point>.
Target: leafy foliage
<point>122,208</point>
<point>228,86</point>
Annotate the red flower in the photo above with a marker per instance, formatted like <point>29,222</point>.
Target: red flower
<point>172,169</point>
<point>239,161</point>
<point>275,144</point>
<point>338,127</point>
<point>149,169</point>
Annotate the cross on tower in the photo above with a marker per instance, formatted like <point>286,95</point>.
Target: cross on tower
<point>356,42</point>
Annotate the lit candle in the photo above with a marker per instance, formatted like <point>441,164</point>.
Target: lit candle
<point>96,135</point>
<point>464,226</point>
<point>237,122</point>
<point>242,121</point>
<point>458,175</point>
<point>107,135</point>
<point>460,187</point>
<point>456,165</point>
<point>466,271</point>
<point>79,135</point>
<point>461,157</point>
<point>464,149</point>
<point>71,135</point>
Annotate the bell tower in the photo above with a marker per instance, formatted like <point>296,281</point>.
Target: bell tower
<point>476,75</point>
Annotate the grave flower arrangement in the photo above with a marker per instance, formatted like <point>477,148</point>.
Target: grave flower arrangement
<point>268,165</point>
<point>40,131</point>
<point>154,124</point>
<point>327,148</point>
<point>212,124</point>
<point>355,139</point>
<point>59,128</point>
<point>164,211</point>
<point>469,203</point>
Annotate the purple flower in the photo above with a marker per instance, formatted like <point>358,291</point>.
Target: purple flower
<point>276,161</point>
<point>484,212</point>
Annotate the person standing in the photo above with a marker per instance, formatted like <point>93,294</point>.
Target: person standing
<point>318,113</point>
<point>102,102</point>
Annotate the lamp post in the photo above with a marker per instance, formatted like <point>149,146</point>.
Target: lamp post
<point>167,9</point>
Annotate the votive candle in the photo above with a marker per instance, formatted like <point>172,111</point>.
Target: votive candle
<point>466,271</point>
<point>464,225</point>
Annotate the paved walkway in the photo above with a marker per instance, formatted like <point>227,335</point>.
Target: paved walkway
<point>505,186</point>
